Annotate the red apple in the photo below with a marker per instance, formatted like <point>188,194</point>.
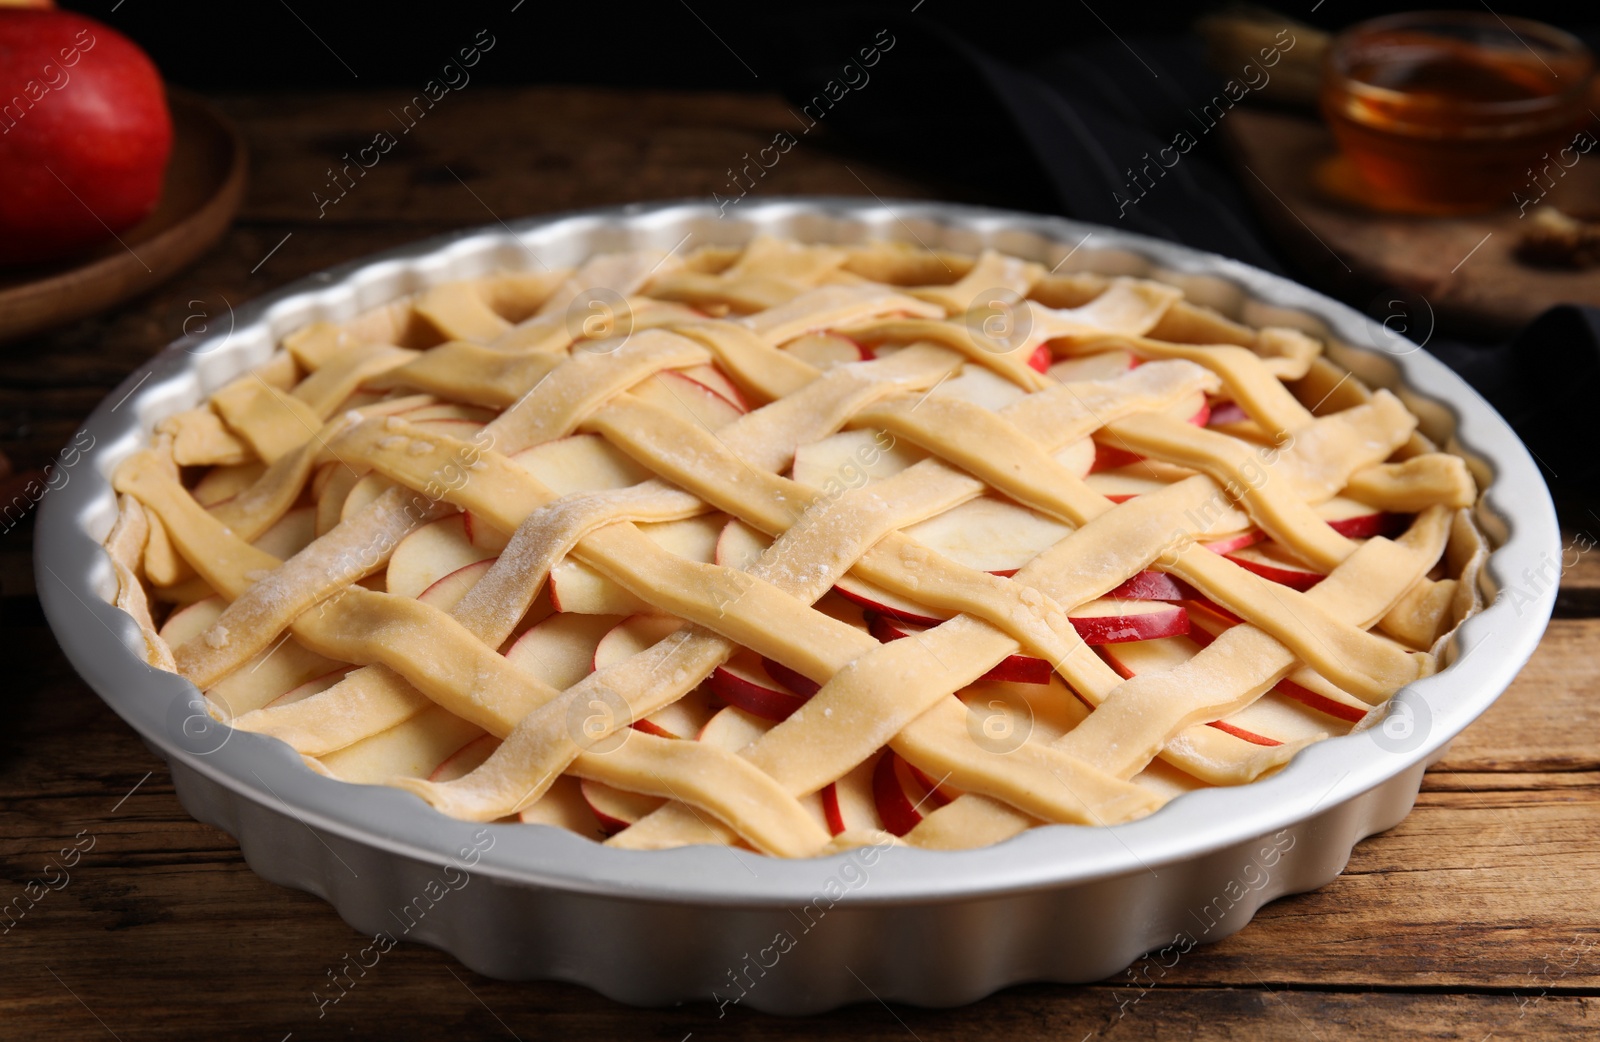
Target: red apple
<point>84,134</point>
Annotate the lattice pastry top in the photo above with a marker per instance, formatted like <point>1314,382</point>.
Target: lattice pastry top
<point>857,539</point>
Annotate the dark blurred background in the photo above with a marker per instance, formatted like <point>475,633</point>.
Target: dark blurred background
<point>703,44</point>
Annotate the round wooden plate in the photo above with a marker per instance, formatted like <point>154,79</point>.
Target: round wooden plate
<point>204,185</point>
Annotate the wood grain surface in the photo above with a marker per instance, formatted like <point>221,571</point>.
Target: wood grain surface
<point>1477,917</point>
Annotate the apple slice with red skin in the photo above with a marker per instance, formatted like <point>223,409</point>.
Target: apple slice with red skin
<point>1238,541</point>
<point>852,458</point>
<point>561,648</point>
<point>835,607</point>
<point>900,795</point>
<point>631,636</point>
<point>943,791</point>
<point>1109,455</point>
<point>466,759</point>
<point>1224,413</point>
<point>1152,586</point>
<point>1112,621</point>
<point>447,592</point>
<point>1019,669</point>
<point>989,533</point>
<point>717,382</point>
<point>434,551</point>
<point>1118,485</point>
<point>1102,621</point>
<point>745,683</point>
<point>580,463</point>
<point>1268,565</point>
<point>982,386</point>
<point>1129,660</point>
<point>576,587</point>
<point>290,534</point>
<point>1208,615</point>
<point>564,648</point>
<point>1041,358</point>
<point>682,719</point>
<point>314,686</point>
<point>876,599</point>
<point>1322,703</point>
<point>826,350</point>
<point>733,729</point>
<point>1104,365</point>
<point>1354,519</point>
<point>616,809</point>
<point>849,803</point>
<point>1210,621</point>
<point>627,639</point>
<point>687,398</point>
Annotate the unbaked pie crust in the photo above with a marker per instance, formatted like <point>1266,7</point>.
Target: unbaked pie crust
<point>863,540</point>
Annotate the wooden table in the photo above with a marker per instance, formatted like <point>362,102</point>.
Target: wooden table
<point>1477,917</point>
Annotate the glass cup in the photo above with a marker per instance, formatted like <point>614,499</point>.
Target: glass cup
<point>1446,112</point>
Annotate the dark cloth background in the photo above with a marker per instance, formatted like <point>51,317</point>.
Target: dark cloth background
<point>1040,106</point>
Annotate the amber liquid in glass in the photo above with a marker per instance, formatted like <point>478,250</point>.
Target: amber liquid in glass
<point>1454,129</point>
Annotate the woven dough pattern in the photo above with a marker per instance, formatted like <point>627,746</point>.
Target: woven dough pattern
<point>789,547</point>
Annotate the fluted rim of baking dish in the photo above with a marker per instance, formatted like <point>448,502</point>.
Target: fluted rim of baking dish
<point>76,581</point>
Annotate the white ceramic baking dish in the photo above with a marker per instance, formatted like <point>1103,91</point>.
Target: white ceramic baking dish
<point>1057,903</point>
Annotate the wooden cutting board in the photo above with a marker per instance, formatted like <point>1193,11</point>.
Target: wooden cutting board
<point>1465,268</point>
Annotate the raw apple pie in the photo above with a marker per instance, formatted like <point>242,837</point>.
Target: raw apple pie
<point>789,547</point>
